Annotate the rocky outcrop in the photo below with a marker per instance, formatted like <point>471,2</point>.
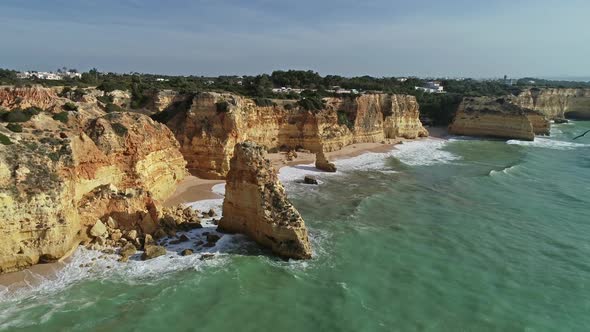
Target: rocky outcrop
<point>59,179</point>
<point>322,163</point>
<point>213,123</point>
<point>32,96</point>
<point>255,204</point>
<point>556,103</point>
<point>497,118</point>
<point>163,99</point>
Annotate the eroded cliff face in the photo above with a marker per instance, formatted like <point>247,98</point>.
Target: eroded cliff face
<point>556,103</point>
<point>256,204</point>
<point>209,129</point>
<point>33,96</point>
<point>497,117</point>
<point>58,179</point>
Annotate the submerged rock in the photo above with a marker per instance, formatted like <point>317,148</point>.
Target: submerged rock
<point>255,204</point>
<point>310,179</point>
<point>186,252</point>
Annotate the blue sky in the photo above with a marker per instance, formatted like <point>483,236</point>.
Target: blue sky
<point>375,37</point>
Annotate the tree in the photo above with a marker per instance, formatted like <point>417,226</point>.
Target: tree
<point>91,77</point>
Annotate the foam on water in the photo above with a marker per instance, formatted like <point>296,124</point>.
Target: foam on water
<point>219,189</point>
<point>507,170</point>
<point>87,264</point>
<point>424,153</point>
<point>414,153</point>
<point>548,143</point>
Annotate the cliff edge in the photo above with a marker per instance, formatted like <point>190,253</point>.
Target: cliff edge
<point>497,117</point>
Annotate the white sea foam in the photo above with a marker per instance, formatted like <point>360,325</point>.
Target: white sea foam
<point>548,143</point>
<point>507,170</point>
<point>219,189</point>
<point>87,264</point>
<point>414,153</point>
<point>424,153</point>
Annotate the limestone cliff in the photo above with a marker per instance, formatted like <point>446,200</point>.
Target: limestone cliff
<point>556,103</point>
<point>58,178</point>
<point>209,127</point>
<point>497,118</point>
<point>255,204</point>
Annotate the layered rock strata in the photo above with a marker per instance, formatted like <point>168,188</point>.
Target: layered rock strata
<point>255,204</point>
<point>32,96</point>
<point>58,178</point>
<point>213,123</point>
<point>491,117</point>
<point>556,103</point>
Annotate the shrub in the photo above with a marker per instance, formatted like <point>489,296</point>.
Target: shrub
<point>119,129</point>
<point>4,140</point>
<point>344,120</point>
<point>65,92</point>
<point>19,115</point>
<point>79,93</point>
<point>311,104</point>
<point>222,106</point>
<point>289,107</point>
<point>69,106</point>
<point>110,108</point>
<point>62,117</point>
<point>15,127</point>
<point>16,116</point>
<point>264,102</point>
<point>106,99</point>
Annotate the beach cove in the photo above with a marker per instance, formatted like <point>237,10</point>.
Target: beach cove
<point>394,235</point>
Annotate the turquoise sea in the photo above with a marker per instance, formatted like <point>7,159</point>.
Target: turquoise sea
<point>457,235</point>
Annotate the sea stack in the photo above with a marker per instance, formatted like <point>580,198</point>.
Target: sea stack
<point>322,163</point>
<point>256,205</point>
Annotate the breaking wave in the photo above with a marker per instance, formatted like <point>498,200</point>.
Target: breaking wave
<point>424,153</point>
<point>548,143</point>
<point>507,170</point>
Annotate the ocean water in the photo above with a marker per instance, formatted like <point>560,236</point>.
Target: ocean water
<point>457,235</point>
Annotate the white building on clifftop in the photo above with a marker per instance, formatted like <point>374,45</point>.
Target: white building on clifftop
<point>431,87</point>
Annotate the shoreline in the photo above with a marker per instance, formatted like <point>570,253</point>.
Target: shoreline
<point>193,189</point>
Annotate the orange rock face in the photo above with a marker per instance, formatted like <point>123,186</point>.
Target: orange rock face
<point>256,205</point>
<point>24,97</point>
<point>556,103</point>
<point>57,183</point>
<point>207,133</point>
<point>498,117</point>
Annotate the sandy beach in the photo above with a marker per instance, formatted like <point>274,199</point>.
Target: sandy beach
<point>193,189</point>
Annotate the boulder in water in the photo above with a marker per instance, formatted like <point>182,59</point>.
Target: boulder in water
<point>310,179</point>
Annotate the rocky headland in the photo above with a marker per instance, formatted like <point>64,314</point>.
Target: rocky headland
<point>74,169</point>
<point>498,117</point>
<point>556,103</point>
<point>209,126</point>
